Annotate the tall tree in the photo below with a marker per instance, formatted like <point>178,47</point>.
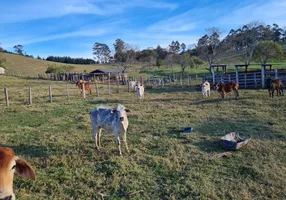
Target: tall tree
<point>19,49</point>
<point>1,49</point>
<point>209,46</point>
<point>172,57</point>
<point>183,47</point>
<point>125,53</point>
<point>102,52</point>
<point>266,50</point>
<point>184,61</point>
<point>148,56</point>
<point>174,47</point>
<point>246,38</point>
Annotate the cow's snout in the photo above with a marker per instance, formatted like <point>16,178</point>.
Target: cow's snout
<point>121,118</point>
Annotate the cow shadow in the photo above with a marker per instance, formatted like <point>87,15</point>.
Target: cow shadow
<point>30,151</point>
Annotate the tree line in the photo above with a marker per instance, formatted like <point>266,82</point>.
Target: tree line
<point>69,60</point>
<point>253,41</point>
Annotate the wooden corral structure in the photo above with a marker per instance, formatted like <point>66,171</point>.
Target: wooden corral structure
<point>113,74</point>
<point>245,78</point>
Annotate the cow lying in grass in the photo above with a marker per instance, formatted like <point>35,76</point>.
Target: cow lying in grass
<point>8,164</point>
<point>110,119</point>
<point>224,88</point>
<point>273,85</point>
<point>87,86</point>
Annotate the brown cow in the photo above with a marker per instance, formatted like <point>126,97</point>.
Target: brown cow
<point>273,85</point>
<point>226,88</point>
<point>87,86</point>
<point>8,164</point>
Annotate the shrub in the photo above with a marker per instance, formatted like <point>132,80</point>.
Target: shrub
<point>59,69</point>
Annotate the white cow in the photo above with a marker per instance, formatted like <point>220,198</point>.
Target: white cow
<point>206,89</point>
<point>132,85</point>
<point>110,119</point>
<point>140,91</point>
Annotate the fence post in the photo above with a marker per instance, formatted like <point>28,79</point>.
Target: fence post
<point>262,76</point>
<point>188,80</point>
<point>229,78</point>
<point>108,83</point>
<point>196,79</point>
<point>245,80</point>
<point>276,73</point>
<point>255,81</point>
<point>83,90</point>
<point>6,96</point>
<point>67,91</point>
<point>118,83</point>
<point>128,85</point>
<point>50,94</point>
<point>96,87</point>
<point>30,95</point>
<point>181,80</point>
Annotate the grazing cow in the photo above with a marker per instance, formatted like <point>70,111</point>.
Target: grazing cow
<point>206,89</point>
<point>273,85</point>
<point>8,164</point>
<point>139,91</point>
<point>132,85</point>
<point>110,119</point>
<point>87,86</point>
<point>226,88</point>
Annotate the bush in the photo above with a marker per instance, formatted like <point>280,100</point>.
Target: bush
<point>59,69</point>
<point>159,62</point>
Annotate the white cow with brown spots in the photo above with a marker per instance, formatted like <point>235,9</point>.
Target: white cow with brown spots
<point>112,120</point>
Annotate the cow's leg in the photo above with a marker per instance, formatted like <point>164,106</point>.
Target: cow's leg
<point>272,93</point>
<point>117,141</point>
<point>95,136</point>
<point>222,95</point>
<point>236,94</point>
<point>99,137</point>
<point>209,93</point>
<point>125,141</point>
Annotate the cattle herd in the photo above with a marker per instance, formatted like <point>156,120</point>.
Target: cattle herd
<point>110,119</point>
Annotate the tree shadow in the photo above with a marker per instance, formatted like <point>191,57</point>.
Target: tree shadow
<point>173,89</point>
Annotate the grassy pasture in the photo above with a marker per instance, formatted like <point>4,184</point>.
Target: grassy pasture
<point>55,138</point>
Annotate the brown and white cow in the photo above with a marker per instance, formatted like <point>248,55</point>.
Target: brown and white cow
<point>8,164</point>
<point>224,88</point>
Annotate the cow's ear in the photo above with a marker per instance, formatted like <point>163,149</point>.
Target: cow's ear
<point>127,110</point>
<point>113,110</point>
<point>24,169</point>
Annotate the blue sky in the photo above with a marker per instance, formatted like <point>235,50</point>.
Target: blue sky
<point>71,27</point>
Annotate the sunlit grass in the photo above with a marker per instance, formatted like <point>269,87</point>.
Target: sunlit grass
<point>55,138</point>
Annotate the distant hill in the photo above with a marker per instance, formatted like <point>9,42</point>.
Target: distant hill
<point>22,64</point>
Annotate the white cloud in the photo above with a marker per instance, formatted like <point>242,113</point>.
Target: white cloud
<point>270,12</point>
<point>40,9</point>
<point>179,23</point>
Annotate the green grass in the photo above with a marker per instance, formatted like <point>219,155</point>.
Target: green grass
<point>55,138</point>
